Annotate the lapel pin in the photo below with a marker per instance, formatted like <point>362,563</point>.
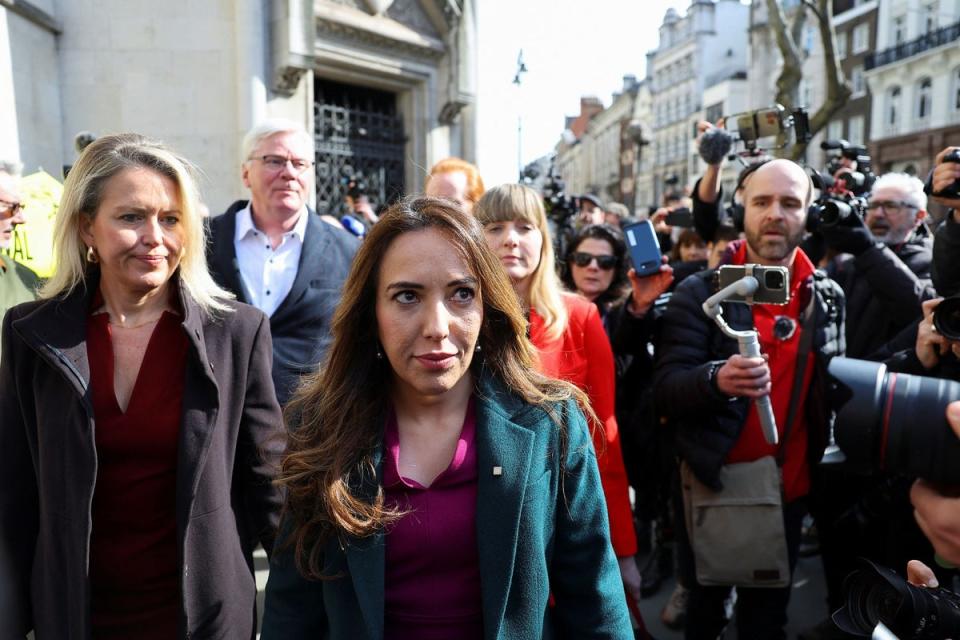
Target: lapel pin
<point>498,471</point>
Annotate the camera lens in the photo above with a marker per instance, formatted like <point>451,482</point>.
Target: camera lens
<point>833,211</point>
<point>773,280</point>
<point>877,594</point>
<point>946,318</point>
<point>894,422</point>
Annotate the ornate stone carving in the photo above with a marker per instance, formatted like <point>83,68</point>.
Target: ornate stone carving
<point>331,30</point>
<point>287,79</point>
<point>450,111</point>
<point>378,7</point>
<point>411,14</point>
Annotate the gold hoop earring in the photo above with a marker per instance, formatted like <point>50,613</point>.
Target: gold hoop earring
<point>92,256</point>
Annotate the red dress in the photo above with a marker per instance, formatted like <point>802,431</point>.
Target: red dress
<point>134,559</point>
<point>582,356</point>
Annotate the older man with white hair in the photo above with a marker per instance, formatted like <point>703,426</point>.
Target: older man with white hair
<point>887,276</point>
<point>17,282</point>
<point>276,253</point>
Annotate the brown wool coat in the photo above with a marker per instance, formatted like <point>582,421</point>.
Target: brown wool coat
<point>230,438</point>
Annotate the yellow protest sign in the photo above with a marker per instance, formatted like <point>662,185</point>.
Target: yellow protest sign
<point>33,240</point>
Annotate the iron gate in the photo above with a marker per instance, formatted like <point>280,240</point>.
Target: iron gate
<point>359,135</point>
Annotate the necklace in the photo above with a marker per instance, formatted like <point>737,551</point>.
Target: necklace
<point>136,326</point>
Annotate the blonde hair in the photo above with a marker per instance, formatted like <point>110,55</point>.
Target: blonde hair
<point>509,202</point>
<point>83,193</point>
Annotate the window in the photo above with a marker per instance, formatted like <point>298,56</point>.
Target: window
<point>899,26</point>
<point>808,39</point>
<point>856,80</point>
<point>715,111</point>
<point>861,38</point>
<point>930,17</point>
<point>841,45</point>
<point>893,106</point>
<point>806,93</point>
<point>835,129</point>
<point>925,88</point>
<point>855,130</point>
<point>956,89</point>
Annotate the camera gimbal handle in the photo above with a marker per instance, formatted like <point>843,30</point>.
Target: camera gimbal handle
<point>749,343</point>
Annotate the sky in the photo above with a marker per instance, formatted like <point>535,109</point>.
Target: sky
<point>571,48</point>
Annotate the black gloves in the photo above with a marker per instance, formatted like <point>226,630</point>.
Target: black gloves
<point>848,235</point>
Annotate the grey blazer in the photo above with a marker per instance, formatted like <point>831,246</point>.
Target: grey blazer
<point>230,434</point>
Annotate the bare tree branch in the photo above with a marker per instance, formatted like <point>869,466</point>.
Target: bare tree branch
<point>790,73</point>
<point>838,90</point>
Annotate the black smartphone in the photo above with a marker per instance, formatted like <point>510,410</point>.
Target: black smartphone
<point>680,217</point>
<point>774,283</point>
<point>644,247</point>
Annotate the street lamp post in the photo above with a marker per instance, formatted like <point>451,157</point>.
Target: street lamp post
<point>517,79</point>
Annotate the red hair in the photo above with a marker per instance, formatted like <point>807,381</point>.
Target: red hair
<point>475,187</point>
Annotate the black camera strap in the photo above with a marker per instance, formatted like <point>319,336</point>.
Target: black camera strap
<point>803,349</point>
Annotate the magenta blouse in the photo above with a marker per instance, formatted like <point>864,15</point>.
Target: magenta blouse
<point>432,577</point>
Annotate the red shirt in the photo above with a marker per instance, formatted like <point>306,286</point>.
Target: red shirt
<point>134,565</point>
<point>783,359</point>
<point>432,574</point>
<point>582,356</point>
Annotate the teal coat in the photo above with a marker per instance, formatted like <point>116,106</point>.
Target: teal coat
<point>541,528</point>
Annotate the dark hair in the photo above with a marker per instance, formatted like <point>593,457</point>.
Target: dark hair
<point>687,237</point>
<point>620,284</point>
<point>336,417</point>
<point>725,233</point>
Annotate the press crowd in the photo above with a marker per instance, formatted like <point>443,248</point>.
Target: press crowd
<point>433,430</point>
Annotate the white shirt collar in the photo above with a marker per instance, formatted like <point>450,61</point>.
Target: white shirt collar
<point>245,225</point>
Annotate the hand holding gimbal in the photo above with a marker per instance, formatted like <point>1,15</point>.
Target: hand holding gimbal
<point>744,289</point>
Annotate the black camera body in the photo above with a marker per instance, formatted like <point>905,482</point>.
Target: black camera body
<point>560,207</point>
<point>953,191</point>
<point>837,201</point>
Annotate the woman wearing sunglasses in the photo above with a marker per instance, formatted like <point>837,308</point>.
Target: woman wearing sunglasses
<point>567,331</point>
<point>596,267</point>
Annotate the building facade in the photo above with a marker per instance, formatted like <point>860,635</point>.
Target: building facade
<point>914,76</point>
<point>708,41</point>
<point>855,25</point>
<point>386,86</point>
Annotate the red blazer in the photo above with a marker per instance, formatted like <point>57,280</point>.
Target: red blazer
<point>582,356</point>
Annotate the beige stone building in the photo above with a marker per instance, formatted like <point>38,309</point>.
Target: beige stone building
<point>387,86</point>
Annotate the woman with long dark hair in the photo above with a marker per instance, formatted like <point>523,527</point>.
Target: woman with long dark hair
<point>438,487</point>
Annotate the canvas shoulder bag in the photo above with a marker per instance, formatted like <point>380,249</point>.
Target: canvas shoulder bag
<point>737,534</point>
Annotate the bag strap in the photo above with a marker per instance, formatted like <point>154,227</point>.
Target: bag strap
<point>803,349</point>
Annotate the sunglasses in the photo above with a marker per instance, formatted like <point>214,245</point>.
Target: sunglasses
<point>583,259</point>
<point>9,209</point>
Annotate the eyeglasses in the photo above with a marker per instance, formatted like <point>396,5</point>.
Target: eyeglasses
<point>9,209</point>
<point>583,259</point>
<point>890,206</point>
<point>278,163</point>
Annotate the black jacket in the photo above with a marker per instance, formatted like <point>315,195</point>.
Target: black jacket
<point>708,423</point>
<point>884,288</point>
<point>231,436</point>
<point>945,271</point>
<point>301,324</point>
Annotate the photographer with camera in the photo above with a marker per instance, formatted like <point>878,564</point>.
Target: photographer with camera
<point>887,276</point>
<point>708,392</point>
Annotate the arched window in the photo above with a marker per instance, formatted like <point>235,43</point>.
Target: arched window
<point>924,98</point>
<point>893,106</point>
